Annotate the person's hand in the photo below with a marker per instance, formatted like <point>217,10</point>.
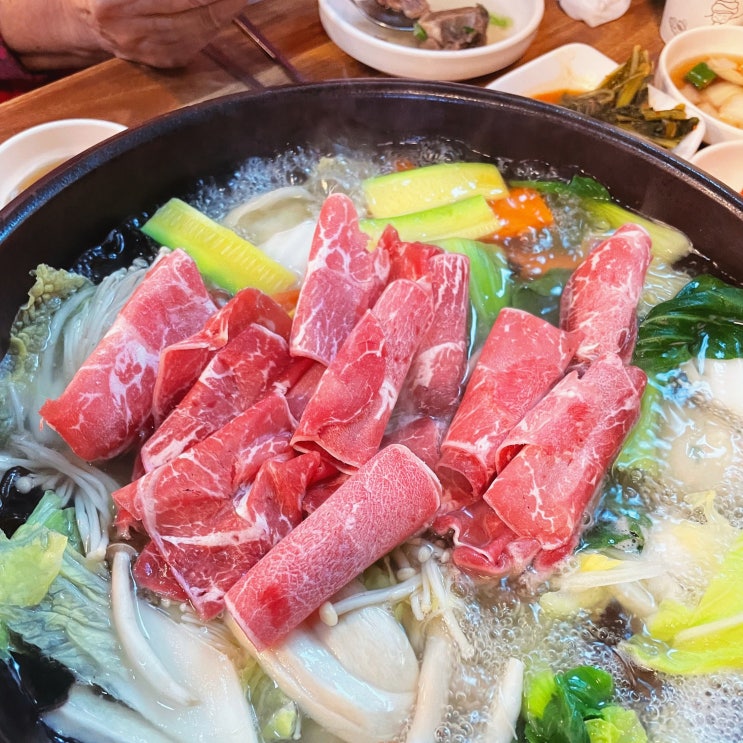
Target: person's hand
<point>160,33</point>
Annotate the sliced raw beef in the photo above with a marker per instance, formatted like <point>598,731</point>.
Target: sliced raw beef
<point>421,434</point>
<point>408,260</point>
<point>274,497</point>
<point>392,497</point>
<point>436,376</point>
<point>190,507</point>
<point>182,363</point>
<point>107,406</point>
<point>235,378</point>
<point>483,543</point>
<point>152,573</point>
<point>299,383</point>
<point>353,402</point>
<point>521,359</point>
<point>554,460</point>
<point>599,301</point>
<point>343,280</point>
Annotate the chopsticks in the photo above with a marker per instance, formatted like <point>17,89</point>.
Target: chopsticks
<point>227,63</point>
<point>253,33</point>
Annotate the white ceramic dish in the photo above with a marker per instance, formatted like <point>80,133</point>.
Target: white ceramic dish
<point>723,161</point>
<point>395,53</point>
<point>582,67</point>
<point>724,39</point>
<point>32,153</point>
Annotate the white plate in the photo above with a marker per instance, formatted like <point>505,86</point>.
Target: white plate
<point>396,53</point>
<point>582,67</point>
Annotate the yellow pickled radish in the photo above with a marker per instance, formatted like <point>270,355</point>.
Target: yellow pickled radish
<point>414,190</point>
<point>222,256</point>
<point>471,218</point>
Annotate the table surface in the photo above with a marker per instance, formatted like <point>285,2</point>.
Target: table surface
<point>298,49</point>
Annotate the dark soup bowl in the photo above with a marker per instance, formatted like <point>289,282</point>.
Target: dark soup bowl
<point>75,207</point>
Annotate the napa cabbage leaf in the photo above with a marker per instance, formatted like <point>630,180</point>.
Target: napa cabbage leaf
<point>54,599</point>
<point>703,638</point>
<point>29,336</point>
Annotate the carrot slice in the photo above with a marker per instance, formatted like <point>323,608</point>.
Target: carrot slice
<point>523,209</point>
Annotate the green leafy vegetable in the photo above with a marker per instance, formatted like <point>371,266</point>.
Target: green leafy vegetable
<point>557,708</point>
<point>576,707</point>
<point>616,725</point>
<point>541,296</point>
<point>705,318</point>
<point>620,522</point>
<point>639,453</point>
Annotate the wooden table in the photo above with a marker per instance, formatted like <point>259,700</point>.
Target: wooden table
<point>131,94</point>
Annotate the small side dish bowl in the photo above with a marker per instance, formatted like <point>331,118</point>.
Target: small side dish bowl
<point>723,161</point>
<point>580,67</point>
<point>693,45</point>
<point>27,156</point>
<point>396,52</point>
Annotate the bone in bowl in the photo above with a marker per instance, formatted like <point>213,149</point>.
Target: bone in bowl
<point>205,146</point>
<point>398,53</point>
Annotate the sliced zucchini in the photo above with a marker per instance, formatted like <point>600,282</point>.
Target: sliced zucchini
<point>471,218</point>
<point>414,190</point>
<point>223,257</point>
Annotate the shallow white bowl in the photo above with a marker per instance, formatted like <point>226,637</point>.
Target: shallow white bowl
<point>582,67</point>
<point>723,161</point>
<point>725,39</point>
<point>395,53</point>
<point>32,153</point>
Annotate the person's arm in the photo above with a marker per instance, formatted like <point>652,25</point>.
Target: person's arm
<point>49,34</point>
<point>53,34</point>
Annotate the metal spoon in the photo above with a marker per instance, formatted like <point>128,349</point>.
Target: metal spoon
<point>384,16</point>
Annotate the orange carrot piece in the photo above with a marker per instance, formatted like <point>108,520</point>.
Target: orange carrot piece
<point>521,210</point>
<point>287,299</point>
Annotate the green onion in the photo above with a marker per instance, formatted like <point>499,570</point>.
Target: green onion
<point>700,76</point>
<point>502,21</point>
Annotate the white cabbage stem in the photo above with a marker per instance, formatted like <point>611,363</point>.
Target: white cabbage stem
<point>136,647</point>
<point>506,705</point>
<point>433,685</point>
<point>700,630</point>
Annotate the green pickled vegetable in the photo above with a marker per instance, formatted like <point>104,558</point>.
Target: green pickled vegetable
<point>622,99</point>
